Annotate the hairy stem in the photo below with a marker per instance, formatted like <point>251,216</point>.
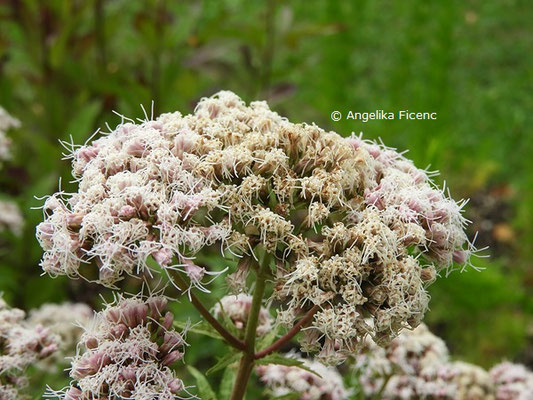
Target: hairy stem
<point>247,360</point>
<point>232,340</point>
<point>289,335</point>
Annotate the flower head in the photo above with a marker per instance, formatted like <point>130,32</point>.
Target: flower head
<point>416,365</point>
<point>66,321</point>
<point>237,308</point>
<point>10,217</point>
<point>21,345</point>
<point>512,381</point>
<point>125,353</point>
<point>284,380</point>
<point>355,227</point>
<point>6,122</point>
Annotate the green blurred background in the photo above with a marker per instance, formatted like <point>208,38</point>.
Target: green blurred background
<point>65,65</point>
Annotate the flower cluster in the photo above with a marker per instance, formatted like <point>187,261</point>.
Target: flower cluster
<point>10,217</point>
<point>354,226</point>
<point>237,308</point>
<point>21,345</point>
<point>512,381</point>
<point>6,122</point>
<point>66,321</point>
<point>126,353</point>
<point>416,365</point>
<point>284,380</point>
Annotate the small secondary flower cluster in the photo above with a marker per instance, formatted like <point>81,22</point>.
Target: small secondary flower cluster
<point>354,226</point>
<point>417,365</point>
<point>284,380</point>
<point>127,351</point>
<point>10,216</point>
<point>66,321</point>
<point>21,345</point>
<point>6,122</point>
<point>512,381</point>
<point>237,308</point>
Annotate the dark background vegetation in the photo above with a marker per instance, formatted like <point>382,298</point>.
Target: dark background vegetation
<point>65,65</point>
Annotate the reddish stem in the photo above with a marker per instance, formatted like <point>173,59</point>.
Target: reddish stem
<point>232,340</point>
<point>289,335</point>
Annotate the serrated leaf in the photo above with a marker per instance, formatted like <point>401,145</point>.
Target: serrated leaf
<point>224,362</point>
<point>204,388</point>
<point>226,385</point>
<point>202,328</point>
<point>282,360</point>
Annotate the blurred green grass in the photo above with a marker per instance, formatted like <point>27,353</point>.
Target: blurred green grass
<point>65,65</point>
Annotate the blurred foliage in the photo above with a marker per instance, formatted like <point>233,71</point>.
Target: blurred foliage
<point>65,65</point>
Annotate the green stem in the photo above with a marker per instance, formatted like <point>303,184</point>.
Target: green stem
<point>247,360</point>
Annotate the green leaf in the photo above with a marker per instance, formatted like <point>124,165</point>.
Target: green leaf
<point>282,360</point>
<point>224,362</point>
<point>204,388</point>
<point>226,385</point>
<point>202,328</point>
<point>82,125</point>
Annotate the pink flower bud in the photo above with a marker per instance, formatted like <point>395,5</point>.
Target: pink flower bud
<point>460,256</point>
<point>87,153</point>
<point>169,319</point>
<point>193,271</point>
<point>73,394</point>
<point>176,385</point>
<point>136,148</point>
<point>157,305</point>
<point>127,212</point>
<point>163,257</point>
<point>74,220</point>
<point>172,357</point>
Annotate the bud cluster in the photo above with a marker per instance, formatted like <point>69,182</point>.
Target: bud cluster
<point>126,352</point>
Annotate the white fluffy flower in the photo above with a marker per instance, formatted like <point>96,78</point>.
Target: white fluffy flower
<point>6,122</point>
<point>10,217</point>
<point>237,308</point>
<point>354,226</point>
<point>284,380</point>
